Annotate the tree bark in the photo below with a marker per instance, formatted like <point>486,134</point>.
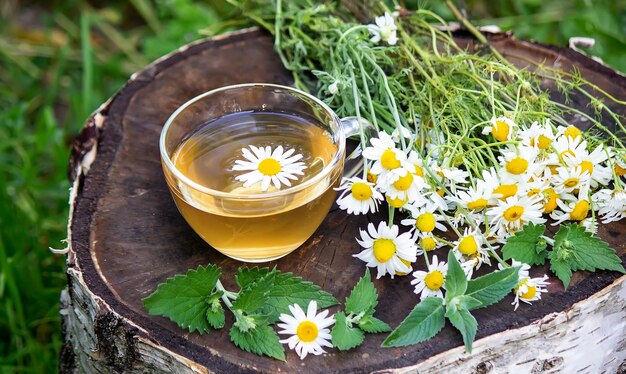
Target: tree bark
<point>125,236</point>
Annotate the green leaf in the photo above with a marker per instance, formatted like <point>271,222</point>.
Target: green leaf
<point>425,321</point>
<point>261,340</point>
<point>463,320</point>
<point>527,245</point>
<point>456,280</point>
<point>464,302</point>
<point>373,325</point>
<point>363,296</point>
<point>183,298</point>
<point>247,275</point>
<point>288,290</point>
<point>345,337</point>
<point>491,288</point>
<point>577,249</point>
<point>215,313</point>
<point>254,295</point>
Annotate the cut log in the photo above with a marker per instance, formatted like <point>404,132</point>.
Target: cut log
<point>126,237</point>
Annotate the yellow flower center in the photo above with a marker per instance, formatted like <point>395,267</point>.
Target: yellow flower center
<point>269,166</point>
<point>419,171</point>
<point>434,280</point>
<point>477,204</point>
<point>361,191</point>
<point>544,142</point>
<point>372,178</point>
<point>506,190</point>
<point>571,182</point>
<point>554,169</point>
<point>580,211</point>
<point>517,166</point>
<point>533,191</point>
<point>572,132</point>
<point>307,331</point>
<point>425,222</point>
<point>513,213</point>
<point>403,183</point>
<point>531,291</point>
<point>550,204</point>
<point>388,160</point>
<point>468,245</point>
<point>441,192</point>
<point>500,130</point>
<point>384,249</point>
<point>620,170</point>
<point>396,202</point>
<point>587,166</point>
<point>428,243</point>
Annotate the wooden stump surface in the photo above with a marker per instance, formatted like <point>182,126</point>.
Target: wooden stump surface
<point>127,235</point>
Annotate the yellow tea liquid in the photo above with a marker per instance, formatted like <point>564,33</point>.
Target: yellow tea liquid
<point>262,229</point>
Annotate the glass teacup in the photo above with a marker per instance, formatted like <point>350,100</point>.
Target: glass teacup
<point>252,167</point>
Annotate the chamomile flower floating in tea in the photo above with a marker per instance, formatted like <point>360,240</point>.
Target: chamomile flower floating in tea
<point>384,249</point>
<point>358,196</point>
<point>430,283</point>
<point>309,332</point>
<point>269,167</point>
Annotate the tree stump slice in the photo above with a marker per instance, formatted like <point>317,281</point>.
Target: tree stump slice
<point>126,236</point>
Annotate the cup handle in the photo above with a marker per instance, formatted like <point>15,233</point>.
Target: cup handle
<point>352,126</point>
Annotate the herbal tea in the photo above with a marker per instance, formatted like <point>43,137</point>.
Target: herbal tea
<point>255,153</point>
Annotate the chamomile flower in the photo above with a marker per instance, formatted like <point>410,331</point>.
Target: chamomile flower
<point>570,131</point>
<point>386,250</point>
<point>475,198</point>
<point>566,146</point>
<point>309,332</point>
<point>501,128</point>
<point>529,290</point>
<point>358,196</point>
<point>590,224</point>
<point>267,167</point>
<point>575,210</point>
<point>513,213</point>
<point>384,29</point>
<point>537,136</point>
<point>430,283</point>
<point>592,163</point>
<point>611,203</point>
<point>519,164</point>
<point>386,157</point>
<point>471,245</point>
<point>571,179</point>
<point>424,219</point>
<point>428,242</point>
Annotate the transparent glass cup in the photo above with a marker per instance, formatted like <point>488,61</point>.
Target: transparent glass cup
<point>255,227</point>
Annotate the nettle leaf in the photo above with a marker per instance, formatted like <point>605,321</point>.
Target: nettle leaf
<point>247,275</point>
<point>576,249</point>
<point>215,313</point>
<point>456,280</point>
<point>491,288</point>
<point>288,290</point>
<point>363,296</point>
<point>373,325</point>
<point>255,294</point>
<point>260,340</point>
<point>425,321</point>
<point>463,321</point>
<point>345,337</point>
<point>527,245</point>
<point>184,298</point>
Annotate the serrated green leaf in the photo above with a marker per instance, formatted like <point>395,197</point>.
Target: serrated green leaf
<point>254,295</point>
<point>345,337</point>
<point>562,269</point>
<point>527,245</point>
<point>247,275</point>
<point>425,321</point>
<point>363,296</point>
<point>373,325</point>
<point>215,313</point>
<point>491,288</point>
<point>183,298</point>
<point>261,340</point>
<point>288,290</point>
<point>463,321</point>
<point>456,280</point>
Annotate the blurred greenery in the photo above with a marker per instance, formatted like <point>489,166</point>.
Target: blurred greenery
<point>60,59</point>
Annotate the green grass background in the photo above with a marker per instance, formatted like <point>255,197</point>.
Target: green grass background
<point>60,59</point>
